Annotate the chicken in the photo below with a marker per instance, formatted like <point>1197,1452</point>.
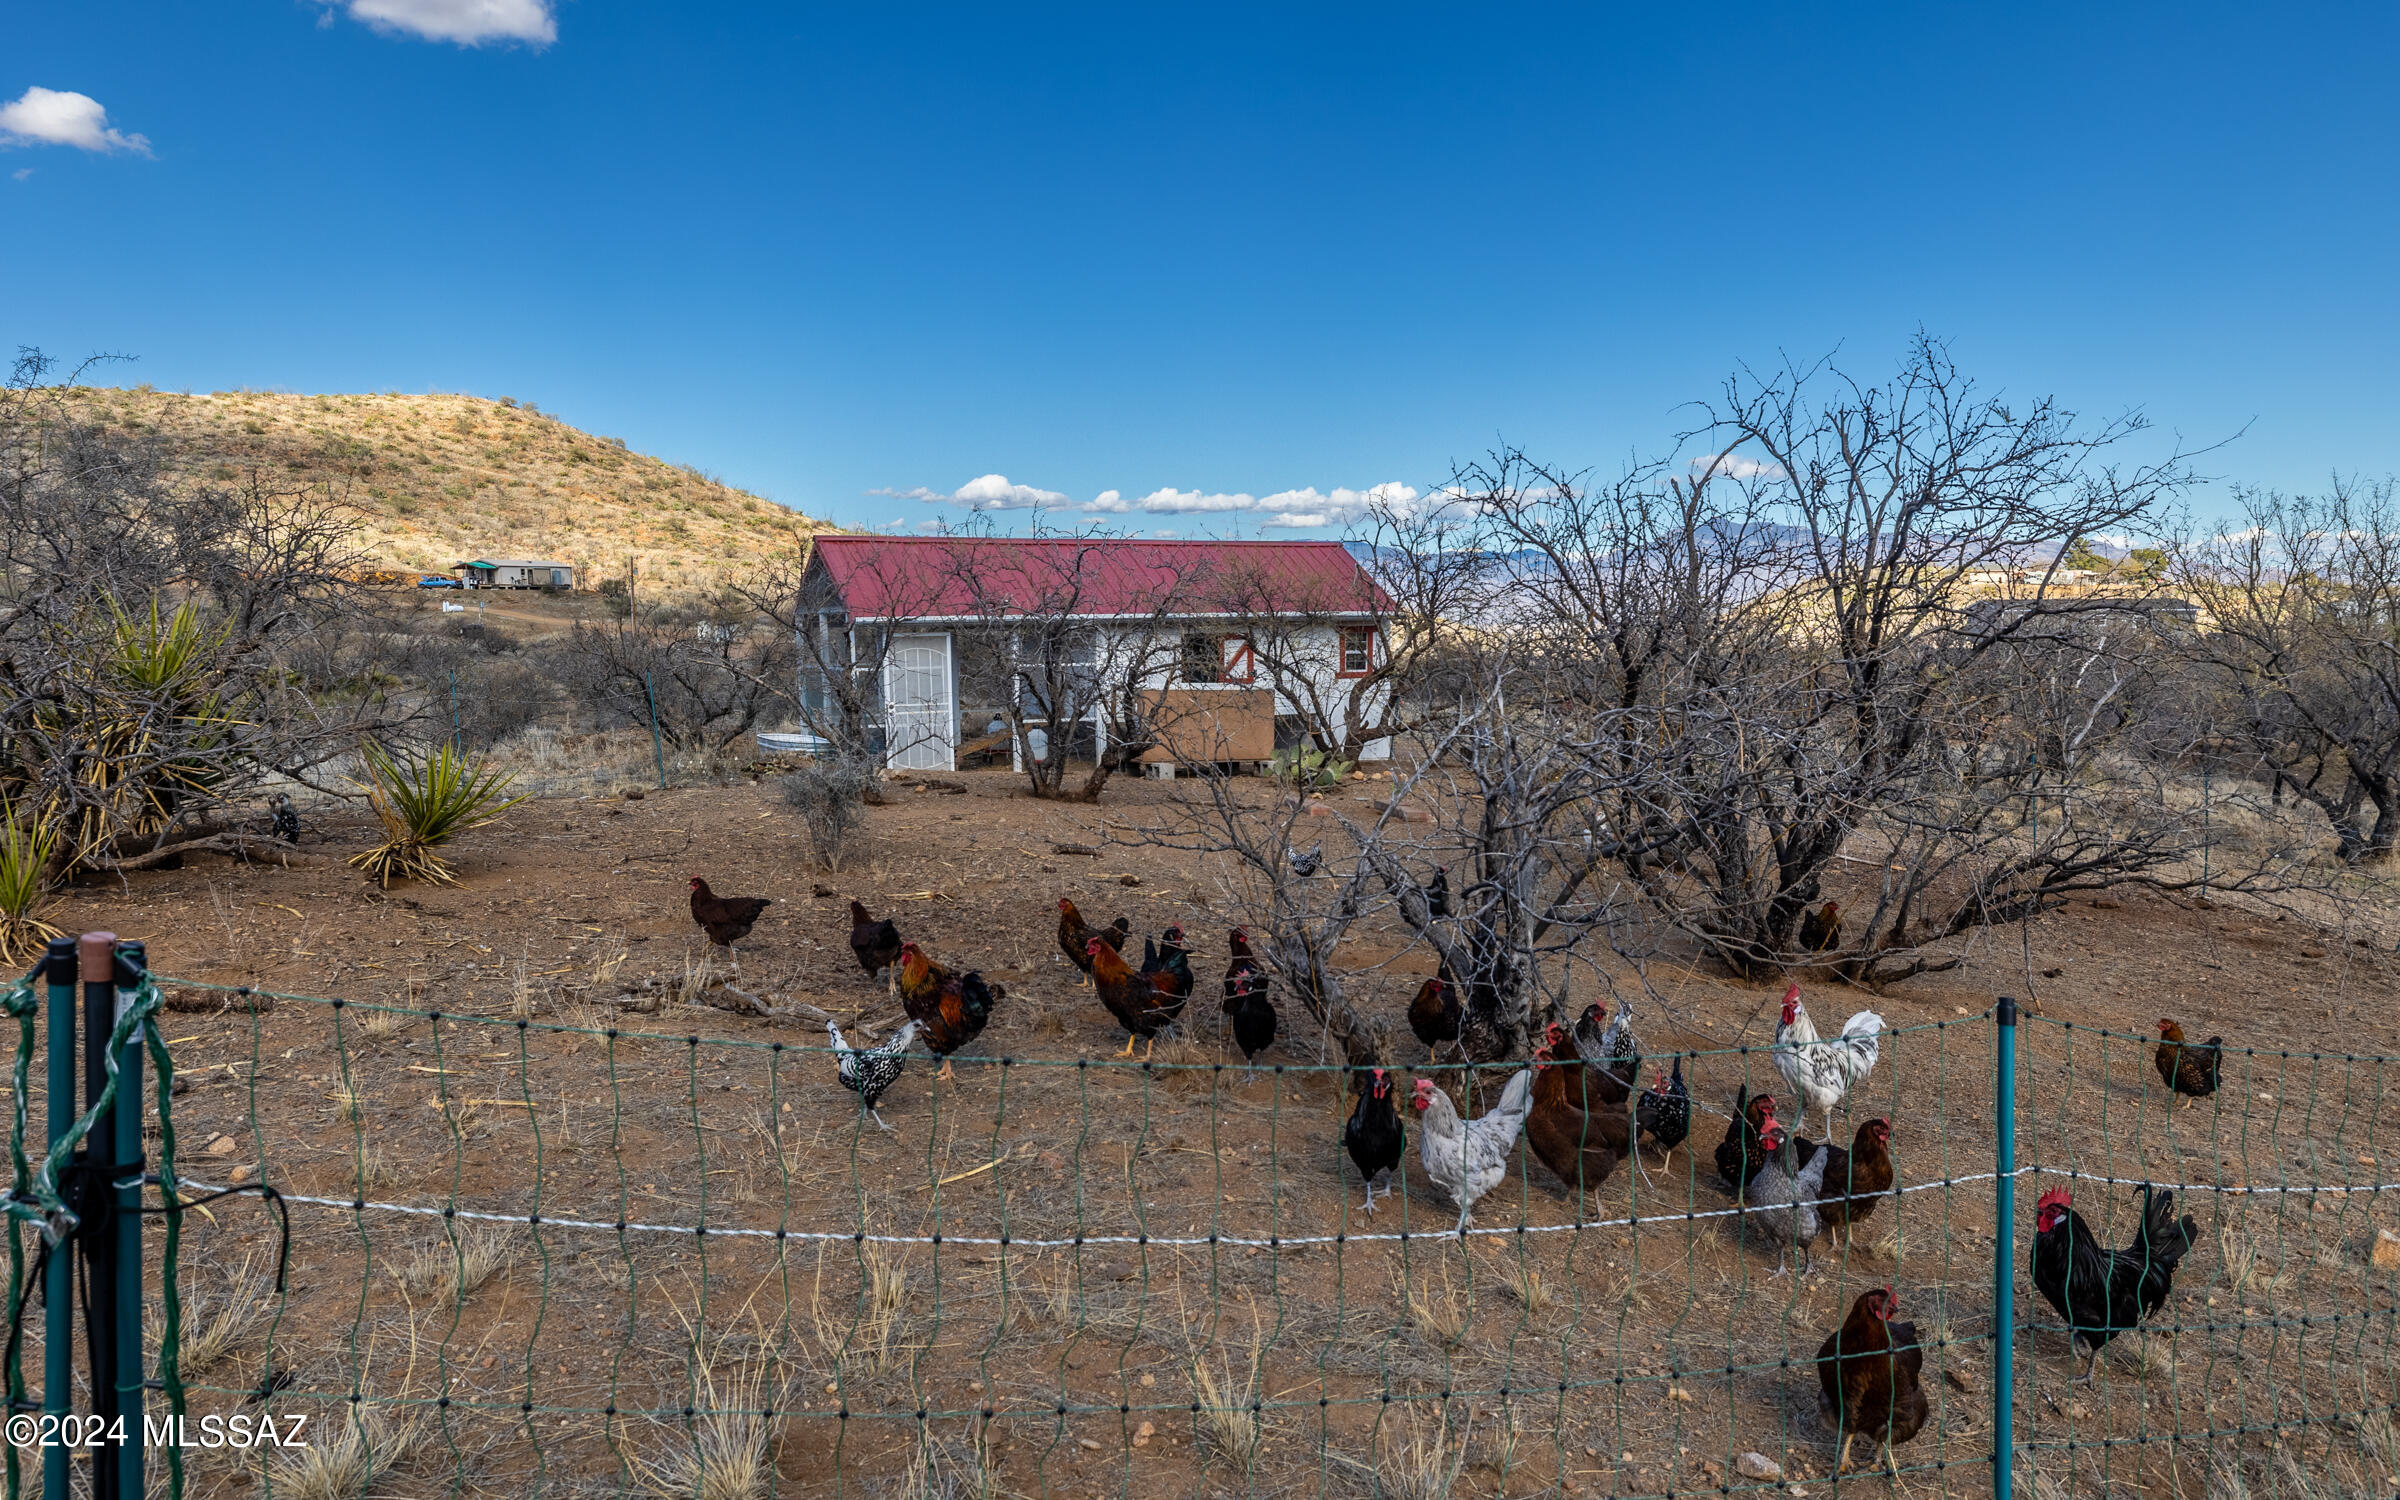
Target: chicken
<point>1254,1022</point>
<point>1243,973</point>
<point>950,1009</point>
<point>1136,1000</point>
<point>726,919</point>
<point>1664,1111</point>
<point>1434,1014</point>
<point>1822,1074</point>
<point>869,1071</point>
<point>1437,895</point>
<point>1305,865</point>
<point>1821,930</point>
<point>877,944</point>
<point>284,819</point>
<point>1073,935</point>
<point>1374,1137</point>
<point>1467,1158</point>
<point>1783,1196</point>
<point>1739,1155</point>
<point>1168,965</point>
<point>1580,1141</point>
<point>1857,1179</point>
<point>1870,1369</point>
<point>2102,1293</point>
<point>1612,1048</point>
<point>2187,1069</point>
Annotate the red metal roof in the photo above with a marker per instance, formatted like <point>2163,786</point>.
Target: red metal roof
<point>889,577</point>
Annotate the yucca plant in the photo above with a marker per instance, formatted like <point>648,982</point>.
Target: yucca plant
<point>25,852</point>
<point>424,804</point>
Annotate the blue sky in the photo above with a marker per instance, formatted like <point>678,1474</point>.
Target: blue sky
<point>1217,268</point>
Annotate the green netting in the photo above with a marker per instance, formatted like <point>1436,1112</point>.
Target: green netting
<point>611,1258</point>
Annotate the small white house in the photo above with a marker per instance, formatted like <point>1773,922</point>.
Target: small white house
<point>516,573</point>
<point>1234,647</point>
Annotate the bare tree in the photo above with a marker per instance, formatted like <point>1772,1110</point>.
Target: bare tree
<point>1075,637</point>
<point>2303,652</point>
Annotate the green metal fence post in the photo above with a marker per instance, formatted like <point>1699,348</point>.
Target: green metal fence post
<point>651,693</point>
<point>2004,1251</point>
<point>58,1278</point>
<point>96,959</point>
<point>133,1382</point>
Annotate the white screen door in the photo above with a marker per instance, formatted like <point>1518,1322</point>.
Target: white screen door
<point>920,724</point>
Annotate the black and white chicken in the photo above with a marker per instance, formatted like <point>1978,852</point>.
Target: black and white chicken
<point>1664,1111</point>
<point>869,1071</point>
<point>285,819</point>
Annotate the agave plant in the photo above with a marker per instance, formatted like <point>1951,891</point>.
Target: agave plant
<point>424,803</point>
<point>25,853</point>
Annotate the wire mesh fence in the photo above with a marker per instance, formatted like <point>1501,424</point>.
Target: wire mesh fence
<point>575,1253</point>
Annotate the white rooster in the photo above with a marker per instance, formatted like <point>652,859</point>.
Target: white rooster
<point>1823,1073</point>
<point>1467,1158</point>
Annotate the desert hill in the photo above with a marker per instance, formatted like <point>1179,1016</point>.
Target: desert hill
<point>440,478</point>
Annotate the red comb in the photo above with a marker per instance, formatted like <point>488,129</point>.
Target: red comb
<point>2058,1196</point>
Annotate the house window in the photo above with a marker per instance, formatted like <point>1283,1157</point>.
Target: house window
<point>1358,650</point>
<point>1217,658</point>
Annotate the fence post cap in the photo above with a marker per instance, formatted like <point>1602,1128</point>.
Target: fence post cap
<point>97,952</point>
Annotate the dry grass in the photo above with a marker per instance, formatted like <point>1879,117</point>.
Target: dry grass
<point>935,1472</point>
<point>1436,1310</point>
<point>1421,1462</point>
<point>215,1319</point>
<point>2238,1254</point>
<point>724,1452</point>
<point>352,1462</point>
<point>1226,1390</point>
<point>1525,1283</point>
<point>454,1269</point>
<point>379,1025</point>
<point>866,1342</point>
<point>349,1102</point>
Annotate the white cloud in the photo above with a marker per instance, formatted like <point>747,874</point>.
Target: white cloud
<point>62,117</point>
<point>989,492</point>
<point>1174,502</point>
<point>1305,508</point>
<point>21,173</point>
<point>470,23</point>
<point>1734,466</point>
<point>1109,503</point>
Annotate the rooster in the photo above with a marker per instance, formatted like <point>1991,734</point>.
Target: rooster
<point>1467,1158</point>
<point>1169,964</point>
<point>1434,1014</point>
<point>726,919</point>
<point>1664,1111</point>
<point>1243,972</point>
<point>869,1071</point>
<point>2187,1069</point>
<point>1140,1005</point>
<point>950,1010</point>
<point>2102,1293</point>
<point>1870,1369</point>
<point>877,944</point>
<point>1783,1196</point>
<point>1580,1140</point>
<point>1822,1074</point>
<point>1374,1137</point>
<point>1074,936</point>
<point>1821,930</point>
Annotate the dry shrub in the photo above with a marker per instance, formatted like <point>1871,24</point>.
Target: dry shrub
<point>1525,1283</point>
<point>866,1342</point>
<point>1438,1312</point>
<point>455,1268</point>
<point>1226,1392</point>
<point>1422,1462</point>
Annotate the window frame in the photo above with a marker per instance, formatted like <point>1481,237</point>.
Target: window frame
<point>1341,650</point>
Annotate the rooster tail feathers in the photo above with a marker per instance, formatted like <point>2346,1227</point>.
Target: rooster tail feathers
<point>2165,1239</point>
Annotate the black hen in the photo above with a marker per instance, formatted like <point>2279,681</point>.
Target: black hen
<point>2102,1293</point>
<point>1437,895</point>
<point>1664,1111</point>
<point>877,944</point>
<point>1374,1137</point>
<point>1254,1022</point>
<point>1742,1152</point>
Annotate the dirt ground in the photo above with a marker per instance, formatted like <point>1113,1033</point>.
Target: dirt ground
<point>1607,1360</point>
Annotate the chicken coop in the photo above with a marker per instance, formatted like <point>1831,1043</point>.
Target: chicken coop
<point>1215,653</point>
